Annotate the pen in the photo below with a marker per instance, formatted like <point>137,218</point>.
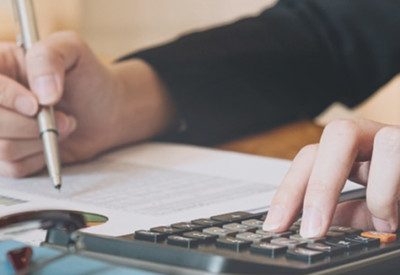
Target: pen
<point>25,20</point>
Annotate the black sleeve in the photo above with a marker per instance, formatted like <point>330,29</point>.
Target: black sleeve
<point>288,63</point>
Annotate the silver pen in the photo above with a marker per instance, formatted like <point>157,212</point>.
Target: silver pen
<point>24,16</point>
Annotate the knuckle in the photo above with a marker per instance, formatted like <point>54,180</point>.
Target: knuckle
<point>39,50</point>
<point>308,150</point>
<point>16,170</point>
<point>342,128</point>
<point>73,37</point>
<point>7,46</point>
<point>42,58</point>
<point>388,139</point>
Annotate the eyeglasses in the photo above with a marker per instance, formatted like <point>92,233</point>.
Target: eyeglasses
<point>60,225</point>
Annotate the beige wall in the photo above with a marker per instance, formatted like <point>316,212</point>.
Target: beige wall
<point>52,15</point>
<point>120,26</point>
<point>114,27</point>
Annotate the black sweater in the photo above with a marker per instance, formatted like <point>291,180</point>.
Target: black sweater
<point>288,63</point>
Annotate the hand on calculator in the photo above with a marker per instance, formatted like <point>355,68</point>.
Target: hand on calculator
<point>363,151</point>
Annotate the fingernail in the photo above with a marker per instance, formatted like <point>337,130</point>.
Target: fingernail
<point>46,88</point>
<point>311,223</point>
<point>274,218</point>
<point>25,105</point>
<point>66,124</point>
<point>382,225</point>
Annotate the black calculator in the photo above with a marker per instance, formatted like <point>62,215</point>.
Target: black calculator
<point>234,243</point>
<point>230,243</point>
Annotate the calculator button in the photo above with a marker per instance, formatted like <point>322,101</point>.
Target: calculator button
<point>285,234</point>
<point>146,235</point>
<point>327,249</point>
<point>298,237</point>
<point>384,237</point>
<point>268,249</point>
<point>346,230</point>
<point>349,245</point>
<point>232,244</point>
<point>186,226</point>
<point>265,233</point>
<point>207,222</point>
<point>252,237</point>
<point>288,242</point>
<point>253,223</point>
<point>364,240</point>
<point>232,217</point>
<point>221,232</point>
<point>201,236</point>
<point>304,255</point>
<point>334,234</point>
<point>239,227</point>
<point>182,241</point>
<point>165,230</point>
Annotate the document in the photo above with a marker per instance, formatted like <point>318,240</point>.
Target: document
<point>153,184</point>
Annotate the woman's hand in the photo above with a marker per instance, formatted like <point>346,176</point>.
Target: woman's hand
<point>97,107</point>
<point>363,151</point>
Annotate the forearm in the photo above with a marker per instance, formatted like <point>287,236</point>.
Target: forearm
<point>289,63</point>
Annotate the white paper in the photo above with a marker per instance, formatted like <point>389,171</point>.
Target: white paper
<point>154,184</point>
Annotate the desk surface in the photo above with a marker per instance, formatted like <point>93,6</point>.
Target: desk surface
<point>283,142</point>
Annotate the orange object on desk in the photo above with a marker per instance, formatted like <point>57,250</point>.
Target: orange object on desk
<point>384,237</point>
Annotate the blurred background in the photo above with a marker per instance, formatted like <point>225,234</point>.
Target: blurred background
<point>113,28</point>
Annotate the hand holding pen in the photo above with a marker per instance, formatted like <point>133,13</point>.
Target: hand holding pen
<point>97,107</point>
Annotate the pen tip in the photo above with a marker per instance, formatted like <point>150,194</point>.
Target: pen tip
<point>57,183</point>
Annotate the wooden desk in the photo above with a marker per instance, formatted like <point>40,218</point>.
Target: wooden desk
<point>283,142</point>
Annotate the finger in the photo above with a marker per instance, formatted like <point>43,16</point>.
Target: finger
<point>289,197</point>
<point>341,143</point>
<point>22,168</point>
<point>16,97</point>
<point>48,60</point>
<point>384,180</point>
<point>15,126</point>
<point>354,214</point>
<point>66,124</point>
<point>14,150</point>
<point>359,172</point>
<point>11,61</point>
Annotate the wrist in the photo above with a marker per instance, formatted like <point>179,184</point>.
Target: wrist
<point>143,108</point>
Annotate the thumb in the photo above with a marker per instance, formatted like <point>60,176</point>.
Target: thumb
<point>48,61</point>
<point>45,71</point>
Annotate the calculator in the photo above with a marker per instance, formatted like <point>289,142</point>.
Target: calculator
<point>235,243</point>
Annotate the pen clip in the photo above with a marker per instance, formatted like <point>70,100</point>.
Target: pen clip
<point>17,24</point>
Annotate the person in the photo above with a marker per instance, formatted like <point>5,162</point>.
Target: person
<point>289,62</point>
